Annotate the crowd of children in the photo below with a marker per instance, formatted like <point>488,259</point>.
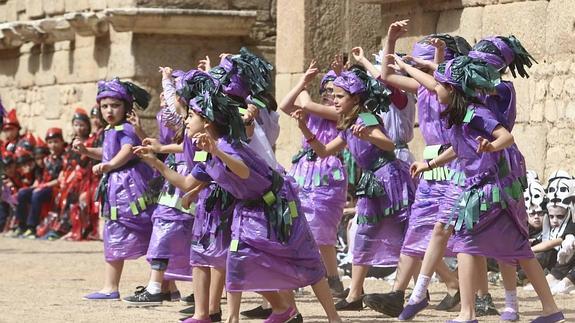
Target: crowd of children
<point>207,201</point>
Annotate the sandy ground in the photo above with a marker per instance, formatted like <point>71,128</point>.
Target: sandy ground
<point>43,281</point>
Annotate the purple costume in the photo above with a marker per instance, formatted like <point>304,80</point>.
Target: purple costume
<point>434,191</point>
<point>211,232</point>
<point>126,205</point>
<point>259,259</point>
<point>399,124</point>
<point>490,217</point>
<point>381,216</point>
<point>322,183</point>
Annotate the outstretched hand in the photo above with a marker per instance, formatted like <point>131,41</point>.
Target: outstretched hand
<point>311,73</point>
<point>417,168</point>
<point>399,65</point>
<point>359,131</point>
<point>206,143</point>
<point>152,143</point>
<point>79,146</point>
<point>337,64</point>
<point>145,153</point>
<point>166,72</point>
<point>485,145</point>
<point>300,116</point>
<point>205,64</point>
<point>397,29</point>
<point>358,53</point>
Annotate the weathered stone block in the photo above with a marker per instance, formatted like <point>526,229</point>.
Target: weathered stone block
<point>466,23</point>
<point>526,20</point>
<point>556,87</point>
<point>54,7</point>
<point>473,3</point>
<point>291,36</point>
<point>532,141</point>
<point>77,5</point>
<point>97,5</point>
<point>559,27</point>
<point>186,4</point>
<point>537,112</point>
<point>251,4</point>
<point>366,29</point>
<point>11,11</point>
<point>34,9</point>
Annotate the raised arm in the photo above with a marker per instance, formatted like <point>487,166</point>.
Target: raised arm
<point>287,105</point>
<point>388,74</point>
<point>427,80</point>
<point>331,148</point>
<point>359,56</point>
<point>158,148</point>
<point>320,110</point>
<point>94,153</point>
<point>236,166</point>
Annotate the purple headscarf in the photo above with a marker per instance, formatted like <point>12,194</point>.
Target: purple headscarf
<point>494,60</point>
<point>468,75</point>
<point>236,86</point>
<point>186,76</point>
<point>425,51</point>
<point>350,82</point>
<point>445,77</point>
<point>113,89</point>
<point>328,77</point>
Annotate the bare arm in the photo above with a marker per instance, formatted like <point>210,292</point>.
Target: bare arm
<point>374,135</point>
<point>236,166</point>
<point>317,109</point>
<point>184,183</point>
<point>388,75</point>
<point>287,105</point>
<point>503,139</point>
<point>332,148</point>
<point>546,245</point>
<point>359,56</point>
<point>121,158</point>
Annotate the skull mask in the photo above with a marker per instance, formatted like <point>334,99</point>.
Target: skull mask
<point>535,197</point>
<point>561,189</point>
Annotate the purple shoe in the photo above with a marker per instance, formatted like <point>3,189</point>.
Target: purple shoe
<point>468,321</point>
<point>410,310</point>
<point>282,317</point>
<point>97,296</point>
<point>553,318</point>
<point>193,320</point>
<point>509,316</point>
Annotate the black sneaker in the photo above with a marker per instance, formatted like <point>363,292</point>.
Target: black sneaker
<point>216,317</point>
<point>296,319</point>
<point>448,302</point>
<point>189,310</point>
<point>188,300</point>
<point>390,304</point>
<point>335,286</point>
<point>257,313</point>
<point>484,306</point>
<point>143,297</point>
<point>344,305</point>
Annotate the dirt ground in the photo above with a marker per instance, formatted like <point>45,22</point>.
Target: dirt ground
<point>43,281</point>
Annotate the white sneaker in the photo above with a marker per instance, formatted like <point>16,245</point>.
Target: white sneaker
<point>563,287</point>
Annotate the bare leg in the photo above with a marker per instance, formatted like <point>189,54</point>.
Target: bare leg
<point>328,255</point>
<point>323,294</point>
<point>277,301</point>
<point>481,277</point>
<point>358,273</point>
<point>113,273</point>
<point>448,277</point>
<point>467,271</point>
<point>435,249</point>
<point>536,276</point>
<point>405,269</point>
<point>234,302</point>
<point>201,292</point>
<point>289,297</point>
<point>217,282</point>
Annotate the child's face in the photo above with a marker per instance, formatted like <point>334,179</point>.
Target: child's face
<point>536,220</point>
<point>39,161</point>
<point>113,111</point>
<point>10,169</point>
<point>56,145</point>
<point>344,102</point>
<point>556,216</point>
<point>80,128</point>
<point>27,167</point>
<point>327,97</point>
<point>96,122</point>
<point>11,133</point>
<point>194,123</point>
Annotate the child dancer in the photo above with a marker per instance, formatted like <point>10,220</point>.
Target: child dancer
<point>385,190</point>
<point>502,52</point>
<point>485,209</point>
<point>425,224</point>
<point>322,181</point>
<point>125,203</point>
<point>266,225</point>
<point>169,249</point>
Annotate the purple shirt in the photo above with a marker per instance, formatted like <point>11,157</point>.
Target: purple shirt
<point>503,104</point>
<point>431,124</point>
<point>364,152</point>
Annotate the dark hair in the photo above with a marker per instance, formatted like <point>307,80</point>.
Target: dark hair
<point>456,110</point>
<point>486,46</point>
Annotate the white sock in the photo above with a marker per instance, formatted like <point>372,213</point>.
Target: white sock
<point>154,288</point>
<point>420,289</point>
<point>511,300</point>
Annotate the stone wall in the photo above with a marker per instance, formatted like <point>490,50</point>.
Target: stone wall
<point>546,101</point>
<point>46,80</point>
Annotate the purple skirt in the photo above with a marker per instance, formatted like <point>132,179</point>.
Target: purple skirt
<point>501,231</point>
<point>323,209</point>
<point>429,200</point>
<point>128,237</point>
<point>211,235</point>
<point>261,262</point>
<point>171,240</point>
